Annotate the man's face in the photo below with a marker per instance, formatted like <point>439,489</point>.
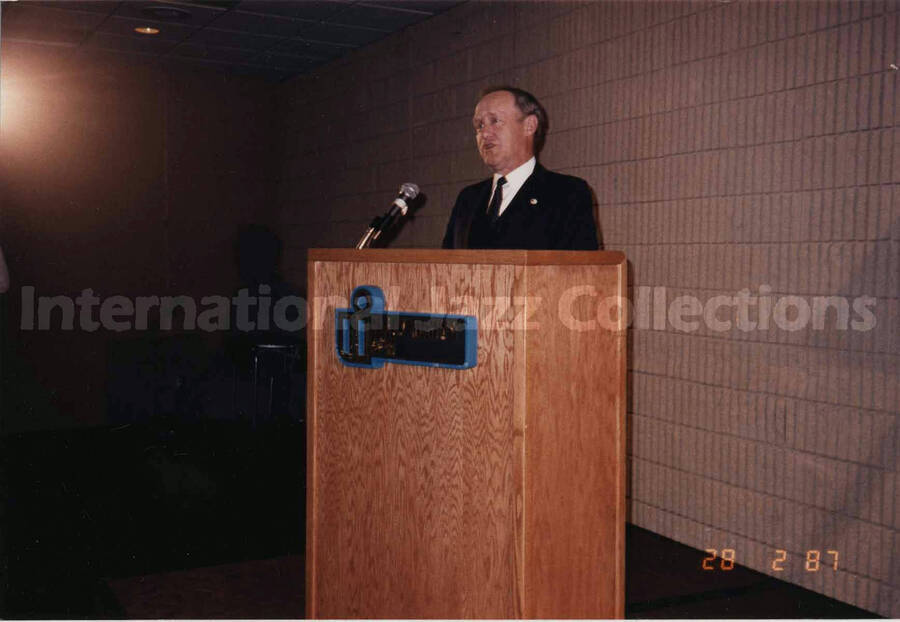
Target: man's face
<point>505,138</point>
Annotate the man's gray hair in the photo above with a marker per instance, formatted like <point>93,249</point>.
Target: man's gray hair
<point>527,105</point>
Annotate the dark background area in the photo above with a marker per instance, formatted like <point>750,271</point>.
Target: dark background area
<point>91,506</point>
<point>128,179</point>
<point>137,452</point>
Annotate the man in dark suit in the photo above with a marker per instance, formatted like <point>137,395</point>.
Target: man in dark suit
<point>523,206</point>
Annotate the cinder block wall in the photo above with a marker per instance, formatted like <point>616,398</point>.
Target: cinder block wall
<point>731,146</point>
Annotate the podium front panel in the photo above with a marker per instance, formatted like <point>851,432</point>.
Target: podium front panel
<point>415,467</point>
<point>490,492</point>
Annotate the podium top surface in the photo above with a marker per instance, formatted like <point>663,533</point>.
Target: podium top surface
<point>514,257</point>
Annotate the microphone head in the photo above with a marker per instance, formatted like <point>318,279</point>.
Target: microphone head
<point>409,191</point>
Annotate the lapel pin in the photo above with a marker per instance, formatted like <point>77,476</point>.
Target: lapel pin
<point>533,201</point>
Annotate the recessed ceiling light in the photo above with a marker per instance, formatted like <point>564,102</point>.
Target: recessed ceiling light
<point>147,30</point>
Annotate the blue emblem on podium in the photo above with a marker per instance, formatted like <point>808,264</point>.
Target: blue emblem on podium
<point>368,336</point>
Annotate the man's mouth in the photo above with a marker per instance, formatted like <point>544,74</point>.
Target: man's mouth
<point>488,146</point>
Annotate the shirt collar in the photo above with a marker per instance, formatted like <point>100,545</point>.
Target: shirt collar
<point>516,177</point>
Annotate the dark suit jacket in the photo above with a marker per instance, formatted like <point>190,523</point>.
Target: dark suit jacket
<point>550,211</point>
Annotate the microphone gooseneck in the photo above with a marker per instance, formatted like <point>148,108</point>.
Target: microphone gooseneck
<point>400,207</point>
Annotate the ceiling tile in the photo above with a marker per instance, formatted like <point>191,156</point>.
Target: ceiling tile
<point>301,47</point>
<point>191,63</point>
<point>220,4</point>
<point>47,35</point>
<point>125,26</point>
<point>260,24</point>
<point>142,45</point>
<point>428,6</point>
<point>315,10</point>
<point>230,38</point>
<point>347,35</point>
<point>42,24</point>
<point>96,6</point>
<point>208,52</point>
<point>268,36</point>
<point>169,12</point>
<point>377,17</point>
<point>22,12</point>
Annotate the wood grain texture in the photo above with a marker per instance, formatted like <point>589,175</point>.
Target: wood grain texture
<point>492,492</point>
<point>574,457</point>
<point>312,363</point>
<point>414,486</point>
<point>482,257</point>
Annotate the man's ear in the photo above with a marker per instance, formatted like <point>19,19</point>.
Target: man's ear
<point>530,124</point>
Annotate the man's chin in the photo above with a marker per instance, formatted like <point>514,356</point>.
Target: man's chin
<point>489,162</point>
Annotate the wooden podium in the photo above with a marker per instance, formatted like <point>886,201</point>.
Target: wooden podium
<point>491,492</point>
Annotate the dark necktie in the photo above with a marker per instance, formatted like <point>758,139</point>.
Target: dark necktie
<point>496,200</point>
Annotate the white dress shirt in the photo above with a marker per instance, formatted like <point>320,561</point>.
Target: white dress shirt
<point>514,181</point>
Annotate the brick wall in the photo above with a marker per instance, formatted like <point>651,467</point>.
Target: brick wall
<point>731,146</point>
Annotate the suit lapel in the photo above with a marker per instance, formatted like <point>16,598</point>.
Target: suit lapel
<point>530,191</point>
<point>480,205</point>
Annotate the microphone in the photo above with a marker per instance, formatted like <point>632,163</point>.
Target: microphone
<point>400,207</point>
